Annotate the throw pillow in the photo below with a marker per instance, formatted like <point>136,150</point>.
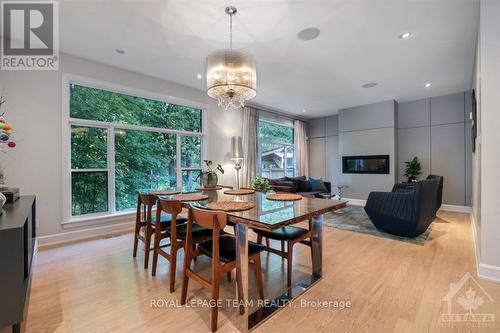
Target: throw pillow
<point>301,184</point>
<point>317,185</point>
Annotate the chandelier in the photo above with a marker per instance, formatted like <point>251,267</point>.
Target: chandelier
<point>231,74</point>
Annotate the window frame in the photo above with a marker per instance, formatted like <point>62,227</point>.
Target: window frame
<point>285,146</point>
<point>68,121</point>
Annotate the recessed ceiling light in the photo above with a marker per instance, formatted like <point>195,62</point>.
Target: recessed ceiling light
<point>405,35</point>
<point>428,85</point>
<point>304,110</point>
<point>308,33</point>
<point>369,85</point>
<point>199,76</point>
<point>119,51</point>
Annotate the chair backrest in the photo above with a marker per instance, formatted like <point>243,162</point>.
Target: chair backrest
<point>172,207</point>
<point>145,203</point>
<point>425,201</point>
<point>209,219</point>
<point>439,199</point>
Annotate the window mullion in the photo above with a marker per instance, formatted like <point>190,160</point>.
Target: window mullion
<point>178,161</point>
<point>111,170</point>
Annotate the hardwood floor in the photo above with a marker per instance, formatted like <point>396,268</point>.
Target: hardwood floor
<point>96,286</point>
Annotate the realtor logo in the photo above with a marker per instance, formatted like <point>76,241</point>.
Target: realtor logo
<point>463,302</point>
<point>30,35</point>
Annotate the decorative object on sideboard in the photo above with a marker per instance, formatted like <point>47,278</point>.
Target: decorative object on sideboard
<point>11,193</point>
<point>260,184</point>
<point>237,157</point>
<point>209,177</point>
<point>6,141</point>
<point>413,169</point>
<point>473,117</point>
<point>231,74</point>
<point>3,201</point>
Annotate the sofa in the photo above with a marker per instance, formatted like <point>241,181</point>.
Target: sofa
<point>311,187</point>
<point>406,212</point>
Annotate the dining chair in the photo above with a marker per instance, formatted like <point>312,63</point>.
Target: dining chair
<point>146,222</point>
<point>222,249</point>
<point>290,235</point>
<point>176,232</point>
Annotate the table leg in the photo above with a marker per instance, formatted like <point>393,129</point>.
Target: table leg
<point>317,246</point>
<point>242,267</point>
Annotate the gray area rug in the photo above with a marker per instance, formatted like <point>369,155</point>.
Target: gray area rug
<point>354,218</point>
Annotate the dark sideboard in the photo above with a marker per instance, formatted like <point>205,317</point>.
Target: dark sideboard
<point>17,247</point>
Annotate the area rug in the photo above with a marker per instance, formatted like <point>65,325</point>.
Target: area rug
<point>354,218</point>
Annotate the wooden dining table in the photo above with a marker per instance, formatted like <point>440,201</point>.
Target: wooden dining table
<point>271,215</point>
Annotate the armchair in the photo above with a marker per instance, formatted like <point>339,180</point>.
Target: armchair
<point>405,213</point>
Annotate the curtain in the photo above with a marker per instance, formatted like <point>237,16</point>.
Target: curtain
<point>301,151</point>
<point>250,145</point>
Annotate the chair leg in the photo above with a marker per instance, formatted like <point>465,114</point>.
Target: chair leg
<point>194,249</point>
<point>258,276</point>
<point>173,268</point>
<point>215,308</point>
<point>136,239</point>
<point>147,248</point>
<point>268,244</point>
<point>228,276</point>
<point>155,254</point>
<point>289,264</point>
<point>282,246</point>
<point>185,277</point>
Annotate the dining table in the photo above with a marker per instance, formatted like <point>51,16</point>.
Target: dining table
<point>271,215</point>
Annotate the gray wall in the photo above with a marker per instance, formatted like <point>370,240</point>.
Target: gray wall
<point>368,130</point>
<point>323,148</point>
<point>437,131</point>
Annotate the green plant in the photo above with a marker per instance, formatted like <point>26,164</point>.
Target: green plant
<point>260,183</point>
<point>212,172</point>
<point>413,169</point>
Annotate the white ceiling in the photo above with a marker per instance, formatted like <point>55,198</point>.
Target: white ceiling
<point>358,43</point>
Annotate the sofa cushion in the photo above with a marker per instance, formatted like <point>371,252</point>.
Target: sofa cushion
<point>301,184</point>
<point>276,181</point>
<point>317,184</point>
<point>278,188</point>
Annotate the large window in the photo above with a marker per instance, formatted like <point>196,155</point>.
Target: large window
<point>121,144</point>
<point>277,151</point>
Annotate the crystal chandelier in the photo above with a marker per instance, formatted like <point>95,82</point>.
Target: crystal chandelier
<point>231,74</point>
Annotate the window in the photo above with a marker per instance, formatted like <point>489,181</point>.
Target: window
<point>277,151</point>
<point>121,144</point>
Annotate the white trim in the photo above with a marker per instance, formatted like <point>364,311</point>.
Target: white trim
<point>71,236</point>
<point>455,208</point>
<point>484,271</point>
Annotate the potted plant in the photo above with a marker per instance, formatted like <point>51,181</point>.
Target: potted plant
<point>413,170</point>
<point>209,177</point>
<point>260,184</point>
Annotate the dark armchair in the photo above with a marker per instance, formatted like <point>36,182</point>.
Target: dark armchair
<point>408,186</point>
<point>406,212</point>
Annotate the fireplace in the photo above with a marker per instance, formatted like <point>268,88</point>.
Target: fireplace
<point>368,164</point>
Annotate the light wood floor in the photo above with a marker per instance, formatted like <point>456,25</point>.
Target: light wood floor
<point>96,286</point>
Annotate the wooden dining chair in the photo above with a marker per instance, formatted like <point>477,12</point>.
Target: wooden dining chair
<point>176,233</point>
<point>222,250</point>
<point>146,222</point>
<point>290,235</point>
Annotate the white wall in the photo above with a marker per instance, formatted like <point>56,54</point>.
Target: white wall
<point>489,81</point>
<point>35,110</point>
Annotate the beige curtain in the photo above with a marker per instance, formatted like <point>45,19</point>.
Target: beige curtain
<point>250,148</point>
<point>301,151</point>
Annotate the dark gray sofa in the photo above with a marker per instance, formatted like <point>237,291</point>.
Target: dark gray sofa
<point>300,185</point>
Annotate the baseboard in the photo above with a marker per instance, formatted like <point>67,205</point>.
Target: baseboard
<point>457,209</point>
<point>489,272</point>
<point>77,235</point>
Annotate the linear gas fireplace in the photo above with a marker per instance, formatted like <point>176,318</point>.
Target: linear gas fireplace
<point>374,164</point>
